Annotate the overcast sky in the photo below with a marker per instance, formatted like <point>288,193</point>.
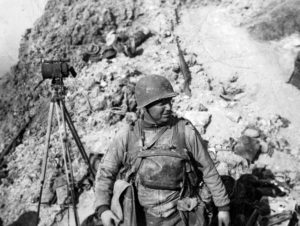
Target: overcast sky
<point>15,17</point>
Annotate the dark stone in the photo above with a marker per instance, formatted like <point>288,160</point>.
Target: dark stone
<point>247,147</point>
<point>26,219</point>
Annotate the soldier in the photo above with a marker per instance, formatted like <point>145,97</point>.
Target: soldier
<point>163,157</point>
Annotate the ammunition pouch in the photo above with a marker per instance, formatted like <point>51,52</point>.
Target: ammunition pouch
<point>162,169</point>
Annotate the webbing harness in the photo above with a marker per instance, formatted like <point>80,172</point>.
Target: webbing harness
<point>188,189</point>
<point>135,164</point>
<point>178,136</point>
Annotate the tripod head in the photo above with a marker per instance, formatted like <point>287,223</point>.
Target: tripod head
<point>57,70</point>
<point>58,88</point>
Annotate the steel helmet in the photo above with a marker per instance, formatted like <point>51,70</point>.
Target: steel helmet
<point>152,88</point>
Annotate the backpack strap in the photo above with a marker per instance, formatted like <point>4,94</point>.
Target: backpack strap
<point>179,133</point>
<point>155,138</point>
<point>179,137</point>
<point>193,173</point>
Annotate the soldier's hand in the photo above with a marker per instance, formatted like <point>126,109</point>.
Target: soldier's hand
<point>109,218</point>
<point>224,218</point>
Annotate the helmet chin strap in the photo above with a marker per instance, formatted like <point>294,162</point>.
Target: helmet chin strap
<point>149,119</point>
<point>149,116</point>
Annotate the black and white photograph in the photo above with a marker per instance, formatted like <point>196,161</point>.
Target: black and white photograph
<point>149,113</point>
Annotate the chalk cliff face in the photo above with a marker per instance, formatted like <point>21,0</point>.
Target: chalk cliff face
<point>240,53</point>
<point>67,28</point>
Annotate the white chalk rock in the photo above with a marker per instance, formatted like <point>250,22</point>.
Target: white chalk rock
<point>264,147</point>
<point>251,133</point>
<point>222,168</point>
<point>199,119</point>
<point>234,116</point>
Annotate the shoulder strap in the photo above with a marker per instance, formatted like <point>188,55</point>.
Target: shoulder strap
<point>179,133</point>
<point>155,138</point>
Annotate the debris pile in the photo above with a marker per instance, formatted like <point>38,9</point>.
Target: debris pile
<point>116,43</point>
<point>255,187</point>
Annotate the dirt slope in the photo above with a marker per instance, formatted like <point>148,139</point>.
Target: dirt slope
<point>226,51</point>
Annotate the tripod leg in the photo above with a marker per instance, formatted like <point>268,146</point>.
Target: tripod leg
<point>67,159</point>
<point>76,138</point>
<point>44,166</point>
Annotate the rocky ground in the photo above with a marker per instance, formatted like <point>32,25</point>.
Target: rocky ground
<point>240,54</point>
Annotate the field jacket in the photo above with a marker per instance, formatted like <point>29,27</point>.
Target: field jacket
<point>113,162</point>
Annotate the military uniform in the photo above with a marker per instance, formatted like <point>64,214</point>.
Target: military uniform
<point>160,177</point>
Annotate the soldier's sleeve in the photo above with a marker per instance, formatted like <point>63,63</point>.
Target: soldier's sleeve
<point>211,177</point>
<point>108,170</point>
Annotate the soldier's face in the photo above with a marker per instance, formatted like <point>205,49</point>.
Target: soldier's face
<point>161,110</point>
